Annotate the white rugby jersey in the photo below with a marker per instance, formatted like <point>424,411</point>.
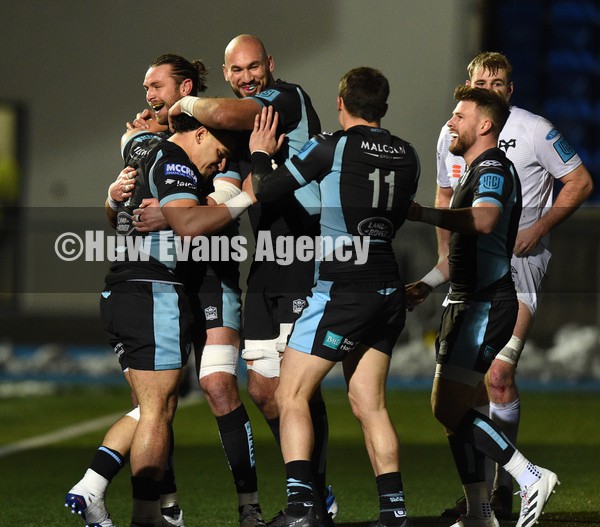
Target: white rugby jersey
<point>538,150</point>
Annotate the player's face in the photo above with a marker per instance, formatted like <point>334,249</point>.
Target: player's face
<point>247,70</point>
<point>498,82</point>
<point>463,126</point>
<point>162,91</point>
<point>210,154</point>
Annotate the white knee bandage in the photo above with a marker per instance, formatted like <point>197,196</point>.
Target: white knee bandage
<point>512,351</point>
<point>284,333</point>
<point>219,358</point>
<point>135,413</point>
<point>262,357</point>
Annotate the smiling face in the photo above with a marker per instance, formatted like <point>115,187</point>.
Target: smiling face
<point>463,125</point>
<point>162,91</point>
<point>248,69</point>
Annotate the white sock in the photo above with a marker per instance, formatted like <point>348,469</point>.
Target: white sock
<point>525,472</point>
<point>93,483</point>
<point>478,500</point>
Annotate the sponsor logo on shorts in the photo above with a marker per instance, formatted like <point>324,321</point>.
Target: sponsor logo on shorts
<point>211,313</point>
<point>298,305</point>
<point>332,340</point>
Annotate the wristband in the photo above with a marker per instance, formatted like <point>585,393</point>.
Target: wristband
<point>114,205</point>
<point>187,104</point>
<point>433,278</point>
<point>238,204</point>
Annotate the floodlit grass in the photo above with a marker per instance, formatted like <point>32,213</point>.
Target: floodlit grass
<point>559,430</point>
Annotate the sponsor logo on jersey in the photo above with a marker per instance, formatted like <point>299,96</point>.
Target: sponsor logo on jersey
<point>456,171</point>
<point>382,149</point>
<point>376,228</point>
<point>124,223</point>
<point>175,169</point>
<point>490,163</point>
<point>564,149</point>
<point>298,305</point>
<point>505,145</point>
<point>211,313</point>
<point>169,181</point>
<point>552,134</point>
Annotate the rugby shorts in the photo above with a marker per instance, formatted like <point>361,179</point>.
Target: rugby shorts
<point>150,325</point>
<point>220,295</point>
<point>341,315</point>
<point>276,294</point>
<point>472,333</point>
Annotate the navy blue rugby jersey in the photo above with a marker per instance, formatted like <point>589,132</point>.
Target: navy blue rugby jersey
<point>295,214</point>
<point>480,263</point>
<point>367,178</point>
<point>165,172</point>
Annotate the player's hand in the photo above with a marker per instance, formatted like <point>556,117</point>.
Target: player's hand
<point>264,135</point>
<point>174,111</point>
<point>416,293</point>
<point>247,188</point>
<point>141,120</point>
<point>149,217</point>
<point>122,188</point>
<point>526,241</point>
<point>414,211</point>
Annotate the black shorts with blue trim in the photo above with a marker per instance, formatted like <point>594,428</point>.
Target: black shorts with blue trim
<point>150,325</point>
<point>342,315</point>
<point>276,294</point>
<point>473,332</point>
<point>220,295</point>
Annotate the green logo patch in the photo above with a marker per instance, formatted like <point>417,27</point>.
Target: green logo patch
<point>332,340</point>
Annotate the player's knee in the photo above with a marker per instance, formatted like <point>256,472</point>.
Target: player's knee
<point>217,358</point>
<point>262,357</point>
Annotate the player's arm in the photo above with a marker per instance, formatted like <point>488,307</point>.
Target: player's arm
<point>481,218</point>
<point>187,218</point>
<point>443,195</point>
<point>145,120</point>
<point>219,112</point>
<point>225,189</point>
<point>577,187</point>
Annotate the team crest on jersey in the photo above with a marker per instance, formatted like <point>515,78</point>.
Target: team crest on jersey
<point>505,145</point>
<point>298,305</point>
<point>211,313</point>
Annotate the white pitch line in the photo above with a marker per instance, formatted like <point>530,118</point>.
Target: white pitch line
<point>74,431</point>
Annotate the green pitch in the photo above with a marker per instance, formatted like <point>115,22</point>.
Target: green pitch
<point>559,430</point>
